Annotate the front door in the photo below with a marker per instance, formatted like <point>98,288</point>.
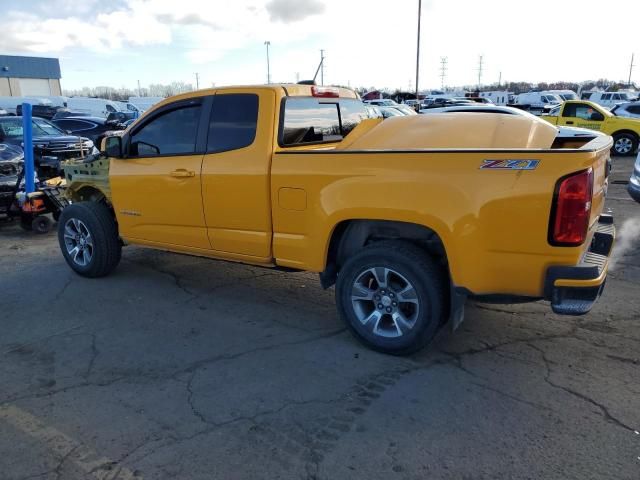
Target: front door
<point>156,190</point>
<point>235,172</point>
<point>581,115</point>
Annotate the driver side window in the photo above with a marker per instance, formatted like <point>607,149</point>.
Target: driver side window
<point>171,133</point>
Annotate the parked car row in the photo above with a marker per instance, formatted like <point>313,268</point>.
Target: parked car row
<point>51,145</point>
<point>48,107</point>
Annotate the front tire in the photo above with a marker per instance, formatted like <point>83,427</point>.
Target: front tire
<point>625,144</point>
<point>88,237</point>
<point>392,297</point>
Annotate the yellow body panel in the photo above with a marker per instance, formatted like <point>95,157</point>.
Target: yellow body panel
<point>236,193</point>
<point>493,224</point>
<point>152,205</point>
<point>610,125</point>
<point>269,205</point>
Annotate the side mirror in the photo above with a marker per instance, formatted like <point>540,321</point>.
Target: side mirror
<point>112,146</point>
<point>597,116</point>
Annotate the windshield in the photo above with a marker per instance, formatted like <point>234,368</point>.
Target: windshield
<point>44,128</point>
<point>569,96</point>
<point>12,128</point>
<point>390,112</point>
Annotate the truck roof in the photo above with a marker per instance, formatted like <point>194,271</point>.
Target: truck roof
<point>282,89</point>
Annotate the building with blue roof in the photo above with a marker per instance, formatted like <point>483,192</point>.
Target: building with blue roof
<point>29,76</point>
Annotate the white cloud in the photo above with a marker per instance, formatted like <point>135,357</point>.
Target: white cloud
<point>367,42</point>
<point>288,11</point>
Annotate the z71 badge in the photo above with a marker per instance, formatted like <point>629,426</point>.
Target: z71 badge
<point>510,164</point>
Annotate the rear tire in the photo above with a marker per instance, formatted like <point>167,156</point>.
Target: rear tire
<point>392,297</point>
<point>625,144</point>
<point>41,224</point>
<point>88,238</point>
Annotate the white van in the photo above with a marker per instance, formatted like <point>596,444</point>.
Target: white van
<point>144,103</point>
<point>498,97</point>
<point>609,99</point>
<point>538,100</point>
<point>98,107</point>
<point>10,104</point>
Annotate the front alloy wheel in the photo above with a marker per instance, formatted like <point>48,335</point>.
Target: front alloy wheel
<point>78,242</point>
<point>88,238</point>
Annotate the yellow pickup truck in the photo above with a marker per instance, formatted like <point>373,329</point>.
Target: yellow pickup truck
<point>580,113</point>
<point>408,216</point>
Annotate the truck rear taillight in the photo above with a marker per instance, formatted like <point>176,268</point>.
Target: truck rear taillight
<point>325,92</point>
<point>571,209</point>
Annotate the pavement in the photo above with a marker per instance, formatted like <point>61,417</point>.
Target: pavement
<point>176,367</point>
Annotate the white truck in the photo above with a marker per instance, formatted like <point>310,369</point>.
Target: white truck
<point>498,97</point>
<point>609,99</point>
<point>98,107</point>
<point>565,94</point>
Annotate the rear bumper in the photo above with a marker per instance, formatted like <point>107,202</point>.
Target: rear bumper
<point>574,290</point>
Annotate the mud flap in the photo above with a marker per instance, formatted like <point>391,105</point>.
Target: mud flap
<point>458,298</point>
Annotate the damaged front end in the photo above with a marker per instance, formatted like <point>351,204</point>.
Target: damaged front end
<point>87,178</point>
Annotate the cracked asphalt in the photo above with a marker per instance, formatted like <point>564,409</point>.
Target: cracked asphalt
<point>176,367</point>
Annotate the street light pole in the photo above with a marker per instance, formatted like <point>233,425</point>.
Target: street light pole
<point>418,51</point>
<point>267,43</point>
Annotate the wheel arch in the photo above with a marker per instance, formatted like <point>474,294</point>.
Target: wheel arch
<point>87,193</point>
<point>349,236</point>
<point>91,193</point>
<point>628,132</point>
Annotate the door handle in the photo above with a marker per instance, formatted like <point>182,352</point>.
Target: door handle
<point>569,122</point>
<point>182,173</point>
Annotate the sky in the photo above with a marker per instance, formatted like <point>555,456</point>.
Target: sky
<point>367,43</point>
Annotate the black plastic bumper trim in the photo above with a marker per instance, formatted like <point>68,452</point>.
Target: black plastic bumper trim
<point>579,300</point>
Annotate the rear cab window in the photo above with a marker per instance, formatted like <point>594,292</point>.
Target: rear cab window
<point>309,120</point>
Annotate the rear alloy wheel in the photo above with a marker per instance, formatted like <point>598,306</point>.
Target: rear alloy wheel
<point>391,295</point>
<point>625,144</point>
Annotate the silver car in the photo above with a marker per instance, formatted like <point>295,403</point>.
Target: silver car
<point>634,182</point>
<point>629,110</point>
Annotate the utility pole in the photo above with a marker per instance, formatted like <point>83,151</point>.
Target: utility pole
<point>139,91</point>
<point>418,51</point>
<point>500,79</point>
<point>197,81</point>
<point>630,70</point>
<point>443,70</point>
<point>479,71</point>
<point>267,43</point>
<point>321,67</point>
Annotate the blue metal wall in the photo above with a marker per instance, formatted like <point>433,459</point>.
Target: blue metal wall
<point>29,67</point>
